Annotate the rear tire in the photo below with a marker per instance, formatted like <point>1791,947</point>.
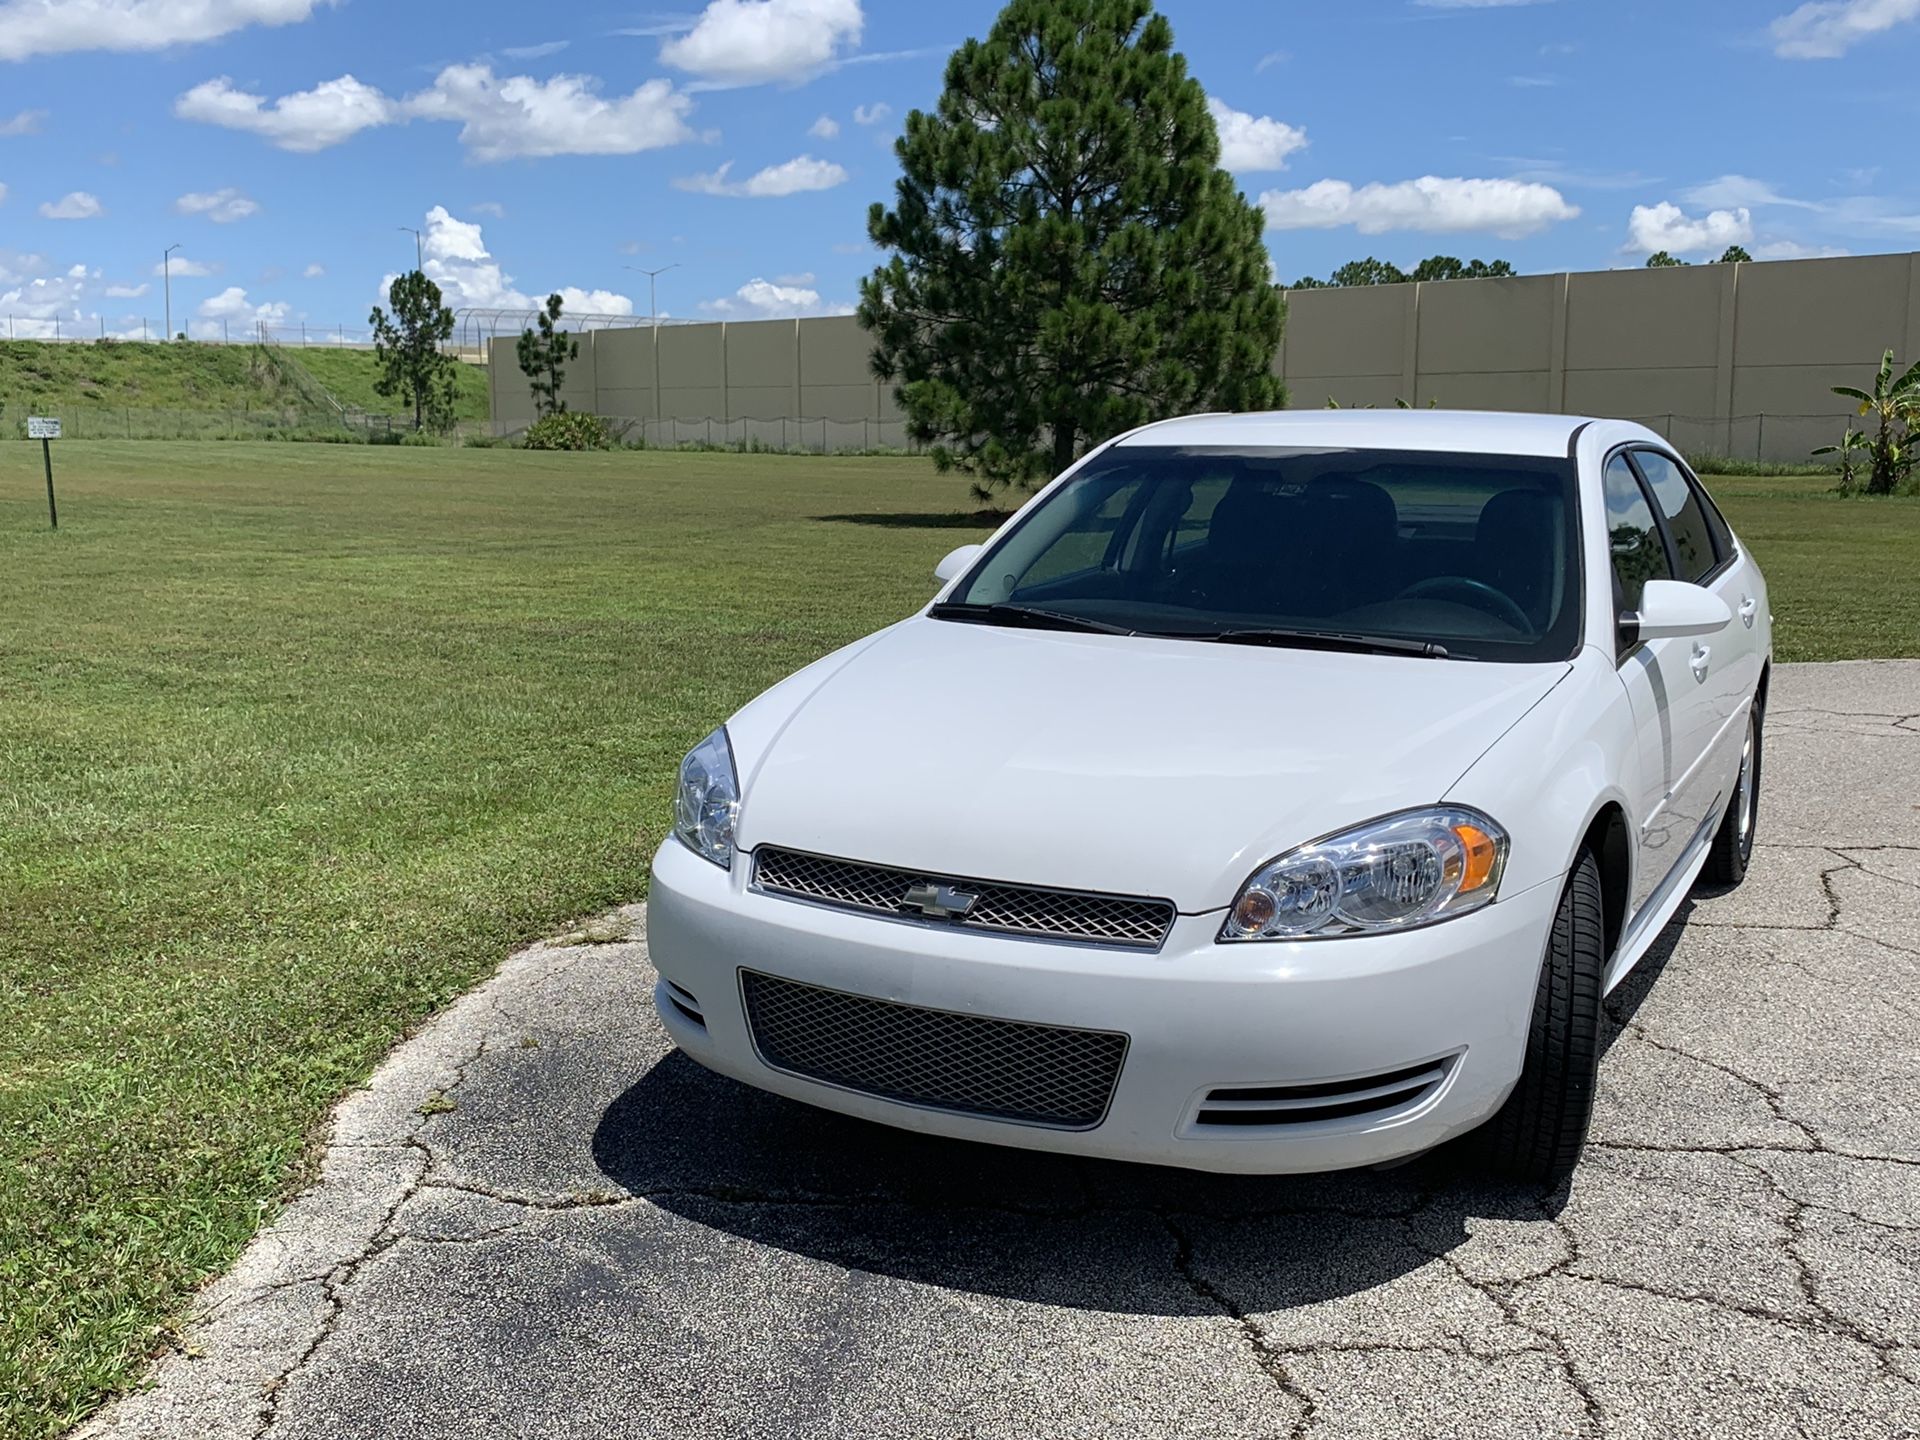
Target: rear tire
<point>1538,1135</point>
<point>1733,842</point>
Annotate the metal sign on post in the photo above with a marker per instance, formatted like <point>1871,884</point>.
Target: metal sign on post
<point>46,429</point>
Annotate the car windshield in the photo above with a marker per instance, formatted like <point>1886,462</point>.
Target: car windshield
<point>1439,554</point>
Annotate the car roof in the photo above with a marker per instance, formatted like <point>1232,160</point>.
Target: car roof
<point>1484,431</point>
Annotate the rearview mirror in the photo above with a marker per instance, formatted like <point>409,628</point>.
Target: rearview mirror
<point>955,562</point>
<point>1673,608</point>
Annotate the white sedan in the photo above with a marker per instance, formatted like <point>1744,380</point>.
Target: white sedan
<point>1274,792</point>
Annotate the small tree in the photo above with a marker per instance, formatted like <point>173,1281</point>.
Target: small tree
<point>1895,408</point>
<point>1734,255</point>
<point>1661,260</point>
<point>1848,451</point>
<point>1069,259</point>
<point>406,347</point>
<point>544,353</point>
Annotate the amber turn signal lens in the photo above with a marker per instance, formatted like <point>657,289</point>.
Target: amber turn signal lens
<point>1481,854</point>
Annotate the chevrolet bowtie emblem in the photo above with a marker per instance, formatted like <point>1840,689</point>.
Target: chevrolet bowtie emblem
<point>938,902</point>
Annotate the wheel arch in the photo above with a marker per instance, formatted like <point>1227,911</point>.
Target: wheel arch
<point>1609,837</point>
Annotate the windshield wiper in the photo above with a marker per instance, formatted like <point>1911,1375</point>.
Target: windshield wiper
<point>1028,615</point>
<point>1331,640</point>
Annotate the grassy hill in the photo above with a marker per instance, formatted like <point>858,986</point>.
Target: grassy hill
<point>348,376</point>
<point>194,378</point>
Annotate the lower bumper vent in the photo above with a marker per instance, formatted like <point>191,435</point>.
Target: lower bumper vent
<point>942,1059</point>
<point>1369,1095</point>
<point>684,1002</point>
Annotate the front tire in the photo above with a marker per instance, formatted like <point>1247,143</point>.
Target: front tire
<point>1733,842</point>
<point>1538,1135</point>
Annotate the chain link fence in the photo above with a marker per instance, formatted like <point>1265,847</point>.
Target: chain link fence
<point>813,435</point>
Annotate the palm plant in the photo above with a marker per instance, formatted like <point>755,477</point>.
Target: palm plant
<point>1849,448</point>
<point>1895,407</point>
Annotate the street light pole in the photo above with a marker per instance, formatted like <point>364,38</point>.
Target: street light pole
<point>653,313</point>
<point>166,281</point>
<point>419,247</point>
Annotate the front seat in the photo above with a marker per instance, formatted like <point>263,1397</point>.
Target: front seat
<point>1517,551</point>
<point>1248,558</point>
<point>1351,551</point>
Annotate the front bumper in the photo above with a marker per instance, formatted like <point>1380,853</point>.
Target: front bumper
<point>1199,1015</point>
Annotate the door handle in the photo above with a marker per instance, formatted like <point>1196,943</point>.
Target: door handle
<point>1702,656</point>
<point>1749,607</point>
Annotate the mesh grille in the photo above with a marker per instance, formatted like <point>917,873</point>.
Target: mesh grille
<point>1016,909</point>
<point>1006,1069</point>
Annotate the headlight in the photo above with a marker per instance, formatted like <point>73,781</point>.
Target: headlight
<point>708,800</point>
<point>1389,874</point>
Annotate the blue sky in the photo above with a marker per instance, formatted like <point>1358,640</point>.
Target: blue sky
<point>282,143</point>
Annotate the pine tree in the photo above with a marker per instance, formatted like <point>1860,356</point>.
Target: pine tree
<point>1069,259</point>
<point>407,349</point>
<point>544,353</point>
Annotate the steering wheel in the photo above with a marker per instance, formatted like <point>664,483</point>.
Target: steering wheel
<point>1465,590</point>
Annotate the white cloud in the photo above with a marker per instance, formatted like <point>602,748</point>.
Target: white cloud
<point>1667,227</point>
<point>490,207</point>
<point>309,120</point>
<point>535,52</point>
<point>875,114</point>
<point>313,271</point>
<point>3,194</point>
<point>1509,209</point>
<point>1476,4</point>
<point>1827,29</point>
<point>749,42</point>
<point>457,260</point>
<point>27,122</point>
<point>223,207</point>
<point>804,277</point>
<point>825,128</point>
<point>1249,143</point>
<point>127,292</point>
<point>78,205</point>
<point>770,300</point>
<point>220,315</point>
<point>791,177</point>
<point>500,117</point>
<point>42,303</point>
<point>44,27</point>
<point>1272,58</point>
<point>516,116</point>
<point>181,265</point>
<point>1732,191</point>
<point>1794,250</point>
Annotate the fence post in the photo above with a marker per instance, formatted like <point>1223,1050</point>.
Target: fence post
<point>1760,439</point>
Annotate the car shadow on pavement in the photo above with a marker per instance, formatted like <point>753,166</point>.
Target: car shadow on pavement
<point>1028,1225</point>
<point>1619,1008</point>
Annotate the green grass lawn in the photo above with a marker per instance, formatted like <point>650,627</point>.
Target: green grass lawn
<point>296,742</point>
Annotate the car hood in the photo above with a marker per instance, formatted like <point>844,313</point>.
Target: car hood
<point>1167,768</point>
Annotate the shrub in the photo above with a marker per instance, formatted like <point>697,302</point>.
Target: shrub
<point>568,430</point>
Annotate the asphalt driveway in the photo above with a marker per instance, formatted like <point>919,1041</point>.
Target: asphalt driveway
<point>541,1220</point>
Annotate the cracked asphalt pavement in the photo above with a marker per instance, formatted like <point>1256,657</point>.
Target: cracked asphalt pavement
<point>538,1219</point>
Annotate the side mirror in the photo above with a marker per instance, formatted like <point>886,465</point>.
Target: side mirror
<point>1673,608</point>
<point>954,562</point>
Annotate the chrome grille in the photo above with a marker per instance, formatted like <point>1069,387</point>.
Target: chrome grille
<point>1003,1069</point>
<point>1014,909</point>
